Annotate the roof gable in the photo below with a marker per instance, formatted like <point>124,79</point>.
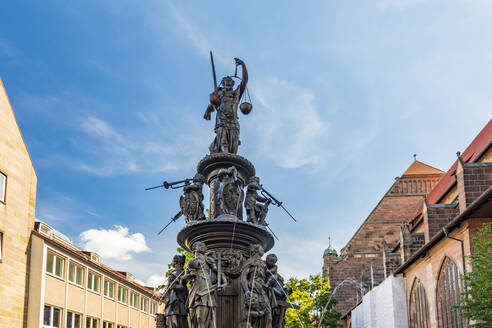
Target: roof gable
<point>419,168</point>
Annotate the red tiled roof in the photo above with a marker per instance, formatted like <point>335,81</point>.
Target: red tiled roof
<point>478,144</point>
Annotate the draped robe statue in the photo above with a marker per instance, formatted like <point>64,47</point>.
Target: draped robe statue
<point>226,120</point>
<point>201,272</point>
<point>175,296</point>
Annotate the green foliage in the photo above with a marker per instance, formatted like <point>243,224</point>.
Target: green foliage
<point>311,295</point>
<point>477,299</point>
<point>188,257</point>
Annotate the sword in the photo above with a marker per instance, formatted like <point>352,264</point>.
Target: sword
<point>213,71</point>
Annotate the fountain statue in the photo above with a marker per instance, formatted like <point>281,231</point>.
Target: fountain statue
<point>226,284</point>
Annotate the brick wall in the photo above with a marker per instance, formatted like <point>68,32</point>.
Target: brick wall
<point>362,257</point>
<point>437,216</point>
<point>472,179</point>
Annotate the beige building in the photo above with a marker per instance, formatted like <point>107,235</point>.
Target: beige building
<point>72,288</point>
<point>46,281</point>
<point>17,202</point>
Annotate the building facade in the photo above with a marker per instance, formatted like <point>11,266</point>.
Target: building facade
<point>363,258</point>
<point>72,288</point>
<point>17,204</point>
<point>46,281</point>
<point>432,250</point>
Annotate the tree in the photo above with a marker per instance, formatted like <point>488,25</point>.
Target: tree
<point>477,298</point>
<point>311,295</point>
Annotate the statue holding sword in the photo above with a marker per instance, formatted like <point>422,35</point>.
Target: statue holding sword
<point>225,100</point>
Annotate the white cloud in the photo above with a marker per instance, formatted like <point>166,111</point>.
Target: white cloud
<point>115,243</point>
<point>155,280</point>
<point>199,41</point>
<point>131,151</point>
<point>291,112</point>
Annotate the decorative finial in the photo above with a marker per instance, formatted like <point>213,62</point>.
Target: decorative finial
<point>329,241</point>
<point>414,157</point>
<point>458,153</point>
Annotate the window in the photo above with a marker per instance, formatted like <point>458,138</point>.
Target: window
<point>120,326</point>
<point>108,288</point>
<point>91,322</point>
<point>51,317</point>
<point>122,294</point>
<point>93,282</point>
<point>144,304</point>
<point>153,308</point>
<point>449,287</point>
<point>54,265</point>
<point>419,310</point>
<point>75,274</point>
<point>107,324</point>
<point>133,300</point>
<point>74,320</point>
<point>3,187</point>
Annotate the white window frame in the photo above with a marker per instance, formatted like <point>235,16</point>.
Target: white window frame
<point>107,324</point>
<point>77,266</point>
<point>55,257</point>
<point>109,282</point>
<point>60,319</point>
<point>73,314</point>
<point>90,282</point>
<point>144,304</point>
<point>3,188</point>
<point>125,293</point>
<point>153,308</point>
<point>134,300</point>
<point>92,321</point>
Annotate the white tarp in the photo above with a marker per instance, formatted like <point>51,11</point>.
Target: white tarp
<point>383,307</point>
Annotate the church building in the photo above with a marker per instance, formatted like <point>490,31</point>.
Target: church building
<point>407,258</point>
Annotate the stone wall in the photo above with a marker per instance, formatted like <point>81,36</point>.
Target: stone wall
<point>16,218</point>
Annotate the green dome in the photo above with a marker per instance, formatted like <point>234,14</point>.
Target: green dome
<point>330,250</point>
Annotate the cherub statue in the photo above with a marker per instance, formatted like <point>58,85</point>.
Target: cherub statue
<point>191,202</point>
<point>276,291</point>
<point>255,211</point>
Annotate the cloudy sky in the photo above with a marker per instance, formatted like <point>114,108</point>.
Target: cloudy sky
<point>110,96</point>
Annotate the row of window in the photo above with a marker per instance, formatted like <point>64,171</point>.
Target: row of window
<point>52,319</point>
<point>448,291</point>
<point>55,266</point>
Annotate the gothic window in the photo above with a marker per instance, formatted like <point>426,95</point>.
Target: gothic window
<point>419,310</point>
<point>449,288</point>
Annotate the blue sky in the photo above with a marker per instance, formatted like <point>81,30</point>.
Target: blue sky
<point>110,96</point>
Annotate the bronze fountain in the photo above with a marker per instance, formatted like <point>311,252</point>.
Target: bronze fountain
<point>227,284</point>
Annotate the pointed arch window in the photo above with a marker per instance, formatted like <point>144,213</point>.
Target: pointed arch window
<point>449,288</point>
<point>419,309</point>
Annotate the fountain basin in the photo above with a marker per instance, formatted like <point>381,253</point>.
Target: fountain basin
<point>225,232</point>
